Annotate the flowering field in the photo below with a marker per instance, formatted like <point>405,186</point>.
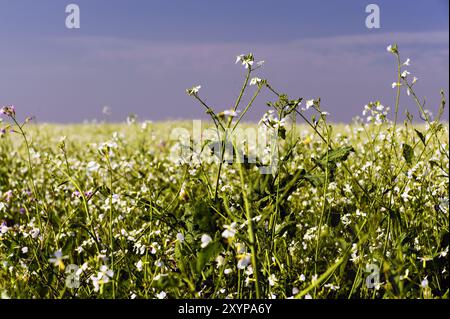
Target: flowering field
<point>136,211</point>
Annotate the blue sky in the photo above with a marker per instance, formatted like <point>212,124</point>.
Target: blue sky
<point>139,56</point>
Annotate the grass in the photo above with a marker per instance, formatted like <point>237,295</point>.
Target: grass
<point>156,210</point>
<point>134,210</point>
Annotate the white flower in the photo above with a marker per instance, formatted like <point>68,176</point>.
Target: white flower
<point>407,62</point>
<point>244,261</point>
<point>405,74</point>
<point>139,265</point>
<point>308,296</point>
<point>58,259</point>
<point>260,63</point>
<point>3,228</point>
<point>161,295</point>
<point>24,250</point>
<point>194,90</point>
<point>93,166</point>
<point>34,233</point>
<point>302,277</point>
<point>395,84</point>
<point>403,277</point>
<point>424,283</point>
<point>392,48</point>
<point>255,81</point>
<point>308,104</point>
<point>230,230</point>
<point>104,274</point>
<point>231,113</point>
<point>180,237</point>
<point>206,239</point>
<point>220,261</point>
<point>414,80</point>
<point>247,60</point>
<point>227,271</point>
<point>272,280</point>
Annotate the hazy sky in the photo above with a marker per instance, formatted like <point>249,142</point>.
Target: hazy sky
<point>140,56</point>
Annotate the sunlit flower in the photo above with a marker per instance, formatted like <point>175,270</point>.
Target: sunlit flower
<point>161,295</point>
<point>405,74</point>
<point>205,239</point>
<point>58,258</point>
<point>255,81</point>
<point>194,90</point>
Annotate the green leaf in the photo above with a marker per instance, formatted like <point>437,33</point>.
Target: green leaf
<point>339,154</point>
<point>208,254</point>
<point>421,136</point>
<point>408,153</point>
<point>334,156</point>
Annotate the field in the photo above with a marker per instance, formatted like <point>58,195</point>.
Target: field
<point>131,211</point>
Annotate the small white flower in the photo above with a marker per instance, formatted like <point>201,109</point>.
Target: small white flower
<point>139,265</point>
<point>206,239</point>
<point>424,283</point>
<point>227,271</point>
<point>405,74</point>
<point>105,274</point>
<point>24,250</point>
<point>34,233</point>
<point>194,90</point>
<point>230,230</point>
<point>395,84</point>
<point>220,261</point>
<point>255,81</point>
<point>403,277</point>
<point>302,277</point>
<point>407,62</point>
<point>244,261</point>
<point>180,237</point>
<point>414,80</point>
<point>231,113</point>
<point>308,104</point>
<point>161,295</point>
<point>389,48</point>
<point>272,280</point>
<point>3,228</point>
<point>58,259</point>
<point>93,166</point>
<point>308,296</point>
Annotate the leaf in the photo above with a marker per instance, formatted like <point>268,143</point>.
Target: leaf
<point>289,226</point>
<point>315,180</point>
<point>207,254</point>
<point>408,153</point>
<point>421,136</point>
<point>339,154</point>
<point>335,156</point>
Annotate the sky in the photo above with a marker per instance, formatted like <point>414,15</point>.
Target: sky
<point>138,57</point>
